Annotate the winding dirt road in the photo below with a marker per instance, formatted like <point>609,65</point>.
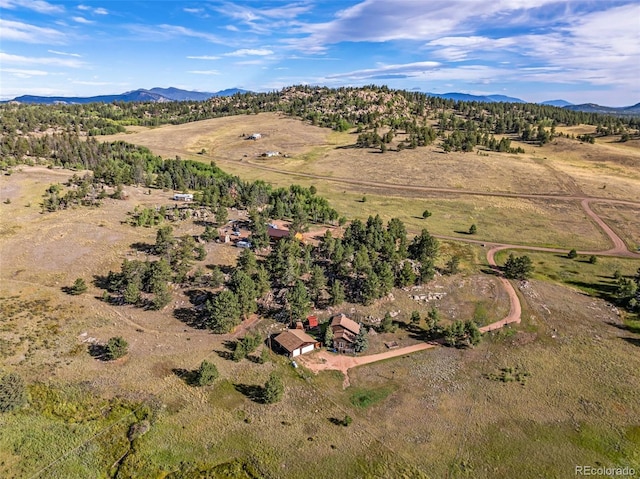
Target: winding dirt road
<point>323,360</point>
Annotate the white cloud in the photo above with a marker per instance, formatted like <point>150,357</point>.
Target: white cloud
<point>383,20</point>
<point>250,62</point>
<point>193,10</point>
<point>243,52</point>
<point>20,73</point>
<point>82,20</point>
<point>39,6</point>
<point>203,57</point>
<point>166,32</point>
<point>6,58</point>
<point>95,11</point>
<point>95,83</point>
<point>247,14</point>
<point>204,72</point>
<point>459,48</point>
<point>56,52</point>
<point>12,92</point>
<point>24,32</point>
<point>401,70</point>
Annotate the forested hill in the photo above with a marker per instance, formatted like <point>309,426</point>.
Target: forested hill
<point>460,125</point>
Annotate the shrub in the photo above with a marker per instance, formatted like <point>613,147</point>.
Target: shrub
<point>79,287</point>
<point>207,373</point>
<point>273,389</point>
<point>573,254</point>
<point>593,259</point>
<point>116,347</point>
<point>473,229</point>
<point>240,352</point>
<point>12,392</point>
<point>265,355</point>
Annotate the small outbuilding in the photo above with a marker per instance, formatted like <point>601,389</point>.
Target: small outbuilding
<point>312,322</point>
<point>277,234</point>
<point>188,197</point>
<point>294,342</point>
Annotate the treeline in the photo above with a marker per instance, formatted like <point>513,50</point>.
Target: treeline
<point>119,163</point>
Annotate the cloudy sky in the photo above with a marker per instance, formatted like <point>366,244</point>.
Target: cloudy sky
<point>580,51</point>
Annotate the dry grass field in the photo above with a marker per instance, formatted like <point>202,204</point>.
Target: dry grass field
<point>398,183</point>
<point>438,413</point>
<point>624,219</point>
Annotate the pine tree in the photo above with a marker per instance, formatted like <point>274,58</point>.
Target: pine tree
<point>273,389</point>
<point>206,374</point>
<point>298,301</point>
<point>336,293</point>
<point>361,342</point>
<point>328,336</point>
<point>79,287</point>
<point>223,312</point>
<point>116,347</point>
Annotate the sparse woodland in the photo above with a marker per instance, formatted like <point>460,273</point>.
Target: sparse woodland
<point>361,267</point>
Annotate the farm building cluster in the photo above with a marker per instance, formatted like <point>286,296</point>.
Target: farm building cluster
<point>295,342</point>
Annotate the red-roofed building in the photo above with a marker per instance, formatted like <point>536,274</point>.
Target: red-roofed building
<point>312,322</point>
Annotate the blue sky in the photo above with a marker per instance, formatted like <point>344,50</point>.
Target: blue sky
<point>582,51</point>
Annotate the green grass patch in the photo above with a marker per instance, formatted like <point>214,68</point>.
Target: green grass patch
<point>366,397</point>
<point>58,420</point>
<point>595,279</point>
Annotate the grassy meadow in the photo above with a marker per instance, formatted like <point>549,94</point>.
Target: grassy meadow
<point>532,400</point>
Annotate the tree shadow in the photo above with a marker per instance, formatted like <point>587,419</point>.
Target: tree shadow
<point>98,351</point>
<point>335,421</point>
<point>204,223</point>
<point>143,247</point>
<point>197,296</point>
<point>603,290</point>
<point>254,359</point>
<point>463,232</point>
<point>101,281</point>
<point>190,377</point>
<point>493,271</point>
<point>228,355</point>
<point>252,391</point>
<point>230,348</point>
<point>190,317</point>
<point>634,341</point>
<point>624,327</point>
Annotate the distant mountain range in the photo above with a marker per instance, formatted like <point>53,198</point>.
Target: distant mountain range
<point>607,110</point>
<point>157,95</point>
<point>175,94</point>
<point>586,107</point>
<point>466,97</point>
